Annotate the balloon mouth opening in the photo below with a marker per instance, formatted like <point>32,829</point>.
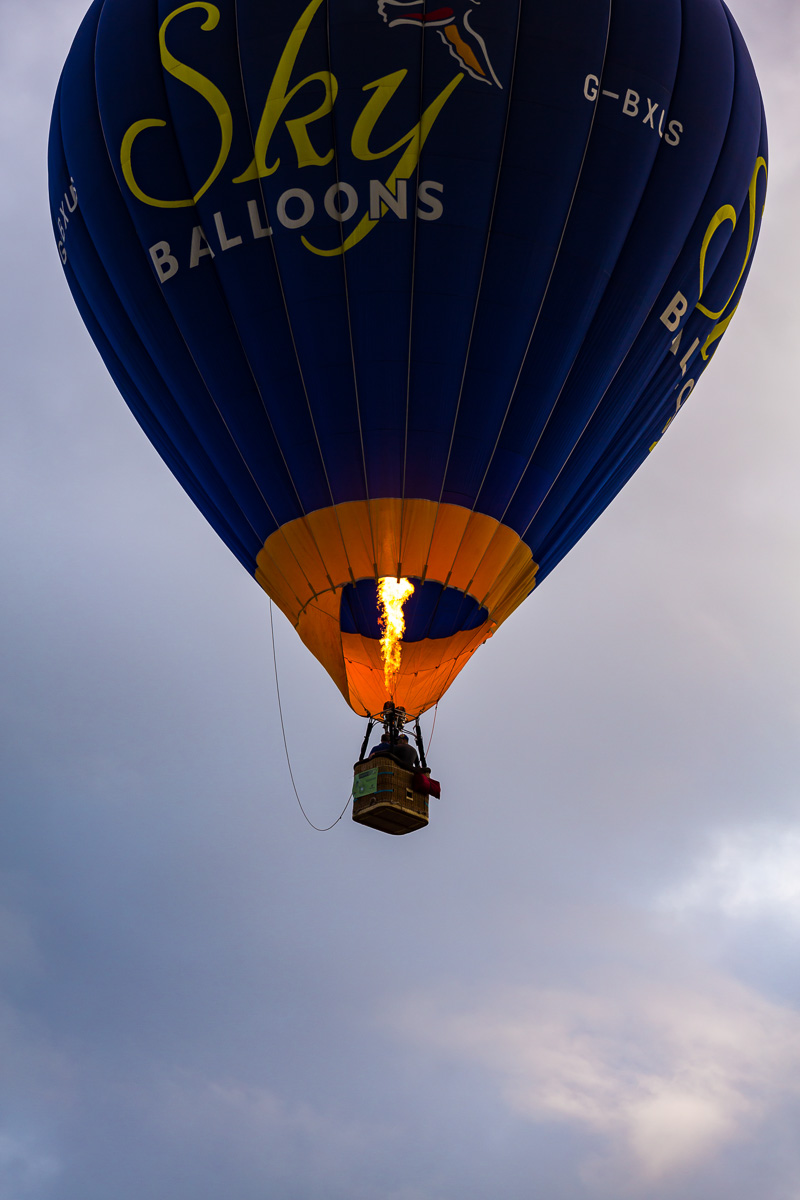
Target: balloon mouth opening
<point>431,611</point>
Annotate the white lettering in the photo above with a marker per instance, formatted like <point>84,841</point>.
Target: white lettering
<point>675,129</point>
<point>381,199</point>
<point>631,105</point>
<point>424,197</point>
<point>67,207</point>
<point>165,263</point>
<point>225,242</point>
<point>259,231</point>
<point>332,203</point>
<point>308,208</point>
<point>685,392</point>
<point>688,355</point>
<point>677,310</point>
<point>200,247</point>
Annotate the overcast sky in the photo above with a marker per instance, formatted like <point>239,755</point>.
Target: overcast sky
<point>582,982</point>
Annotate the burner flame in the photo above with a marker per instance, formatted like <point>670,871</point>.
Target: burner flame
<point>392,595</point>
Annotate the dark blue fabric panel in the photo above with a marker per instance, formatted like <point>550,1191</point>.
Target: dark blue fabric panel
<point>629,391</point>
<point>130,87</point>
<point>114,310</point>
<point>377,286</point>
<point>549,127</point>
<point>313,289</point>
<point>225,519</point>
<point>125,298</point>
<point>442,260</point>
<point>618,166</point>
<point>655,411</point>
<point>669,207</point>
<point>141,382</point>
<point>621,421</point>
<point>246,551</point>
<point>245,266</point>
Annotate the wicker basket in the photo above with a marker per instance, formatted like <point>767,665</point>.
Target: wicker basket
<point>384,798</point>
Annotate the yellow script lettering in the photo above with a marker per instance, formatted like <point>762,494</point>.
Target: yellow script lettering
<point>728,213</point>
<point>277,100</point>
<point>383,89</point>
<point>203,87</point>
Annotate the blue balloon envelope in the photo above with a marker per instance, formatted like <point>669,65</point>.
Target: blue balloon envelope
<point>406,290</point>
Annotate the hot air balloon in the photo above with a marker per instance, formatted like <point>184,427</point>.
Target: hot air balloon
<point>406,293</point>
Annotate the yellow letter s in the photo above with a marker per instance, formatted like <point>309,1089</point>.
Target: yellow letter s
<point>727,213</point>
<point>203,87</point>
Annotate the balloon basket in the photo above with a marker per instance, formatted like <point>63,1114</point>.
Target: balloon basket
<point>384,797</point>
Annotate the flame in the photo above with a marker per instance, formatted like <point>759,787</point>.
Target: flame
<point>392,595</point>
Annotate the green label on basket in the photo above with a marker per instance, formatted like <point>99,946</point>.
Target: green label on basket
<point>365,784</point>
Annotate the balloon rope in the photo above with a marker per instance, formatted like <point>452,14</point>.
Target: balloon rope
<point>433,727</point>
<point>319,829</point>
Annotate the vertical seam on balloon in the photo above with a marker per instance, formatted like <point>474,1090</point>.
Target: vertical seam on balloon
<point>286,310</point>
<point>475,316</point>
<point>161,442</point>
<point>541,308</point>
<point>552,269</point>
<point>417,177</point>
<point>287,314</point>
<point>153,427</point>
<point>352,689</point>
<point>147,419</point>
<point>661,151</point>
<point>224,296</point>
<point>482,274</point>
<point>658,365</point>
<point>345,283</point>
<point>189,352</point>
<point>277,271</point>
<point>111,283</point>
<point>591,418</point>
<point>266,217</point>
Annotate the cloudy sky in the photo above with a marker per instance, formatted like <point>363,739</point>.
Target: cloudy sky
<point>580,983</point>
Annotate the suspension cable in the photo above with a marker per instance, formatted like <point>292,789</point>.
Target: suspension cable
<point>433,727</point>
<point>318,828</point>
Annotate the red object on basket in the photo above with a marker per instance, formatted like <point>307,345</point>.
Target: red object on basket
<point>426,785</point>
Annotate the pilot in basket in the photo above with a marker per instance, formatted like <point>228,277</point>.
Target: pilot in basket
<point>392,783</point>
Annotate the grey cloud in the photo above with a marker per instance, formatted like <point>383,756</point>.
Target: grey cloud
<point>669,1070</point>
